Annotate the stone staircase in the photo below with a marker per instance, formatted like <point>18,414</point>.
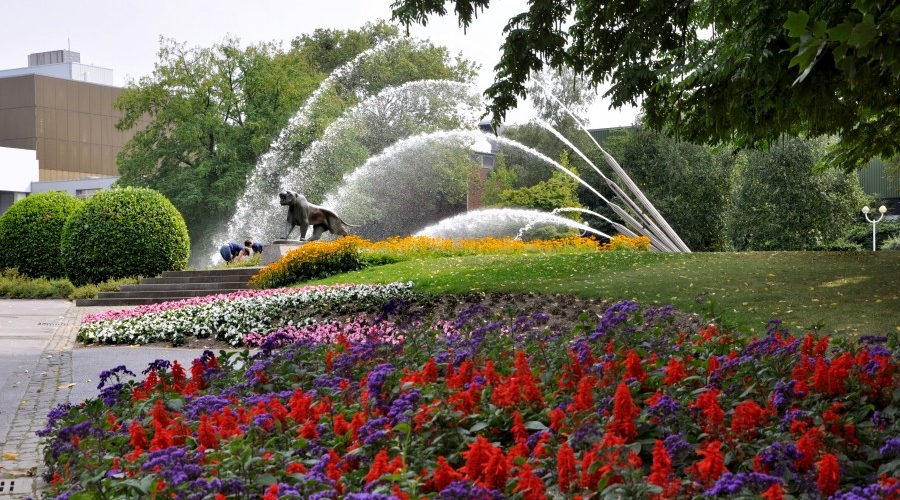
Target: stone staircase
<point>175,285</point>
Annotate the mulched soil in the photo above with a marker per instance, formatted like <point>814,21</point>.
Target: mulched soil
<point>564,311</point>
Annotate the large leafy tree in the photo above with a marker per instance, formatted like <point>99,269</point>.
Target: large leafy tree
<point>780,203</point>
<point>207,114</point>
<point>713,71</point>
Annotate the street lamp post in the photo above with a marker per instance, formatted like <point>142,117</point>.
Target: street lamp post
<point>865,210</point>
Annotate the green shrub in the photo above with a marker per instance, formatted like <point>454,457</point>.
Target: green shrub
<point>892,243</point>
<point>862,232</point>
<point>840,245</point>
<point>14,285</point>
<point>30,233</point>
<point>88,291</point>
<point>125,232</point>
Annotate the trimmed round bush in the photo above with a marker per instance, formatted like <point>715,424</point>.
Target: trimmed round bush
<point>122,233</point>
<point>30,233</point>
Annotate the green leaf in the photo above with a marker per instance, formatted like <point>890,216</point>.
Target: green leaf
<point>535,425</point>
<point>863,33</point>
<point>796,23</point>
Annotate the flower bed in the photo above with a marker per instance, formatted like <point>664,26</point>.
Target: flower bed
<point>475,407</point>
<point>226,317</point>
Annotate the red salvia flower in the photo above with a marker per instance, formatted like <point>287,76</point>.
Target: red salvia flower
<point>539,446</point>
<point>206,435</point>
<point>829,478</point>
<point>160,415</point>
<point>398,493</point>
<point>662,472</point>
<point>633,368</point>
<point>271,493</point>
<point>497,470</point>
<point>712,414</point>
<point>773,493</point>
<point>675,372</point>
<point>296,468</point>
<point>712,466</point>
<point>151,381</point>
<point>531,486</point>
<point>179,376</point>
<point>341,426</point>
<point>138,436</point>
<point>584,398</point>
<point>808,446</point>
<point>477,457</point>
<point>162,438</point>
<point>278,411</point>
<point>565,467</point>
<point>300,403</point>
<point>309,431</point>
<point>748,416</point>
<point>227,423</point>
<point>557,418</point>
<point>429,372</point>
<point>624,413</point>
<point>444,474</point>
<point>380,466</point>
<point>520,433</point>
<point>821,346</point>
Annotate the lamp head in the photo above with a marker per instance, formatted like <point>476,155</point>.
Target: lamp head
<point>882,209</point>
<point>865,210</point>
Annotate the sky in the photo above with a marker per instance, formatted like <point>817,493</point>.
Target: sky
<point>124,34</point>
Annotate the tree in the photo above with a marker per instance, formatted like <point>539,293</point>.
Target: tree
<point>688,184</point>
<point>780,203</point>
<point>208,113</point>
<point>715,72</point>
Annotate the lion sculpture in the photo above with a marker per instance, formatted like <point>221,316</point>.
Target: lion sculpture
<point>304,214</point>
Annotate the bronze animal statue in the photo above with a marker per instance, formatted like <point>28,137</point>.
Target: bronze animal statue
<point>304,214</point>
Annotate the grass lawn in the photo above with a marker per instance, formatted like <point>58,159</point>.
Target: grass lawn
<point>852,293</point>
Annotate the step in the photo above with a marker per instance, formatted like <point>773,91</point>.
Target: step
<point>228,278</point>
<point>156,287</point>
<point>236,271</point>
<point>166,294</point>
<point>175,285</point>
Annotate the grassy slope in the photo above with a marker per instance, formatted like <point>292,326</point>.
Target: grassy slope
<point>853,293</point>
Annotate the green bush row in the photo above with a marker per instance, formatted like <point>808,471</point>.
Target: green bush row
<point>119,233</point>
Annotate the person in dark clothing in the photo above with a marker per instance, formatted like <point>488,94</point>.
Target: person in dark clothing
<point>252,245</point>
<point>231,251</point>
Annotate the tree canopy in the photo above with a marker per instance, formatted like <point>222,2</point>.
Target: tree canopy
<point>207,114</point>
<point>742,72</point>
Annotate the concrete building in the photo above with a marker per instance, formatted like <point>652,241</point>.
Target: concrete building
<point>61,112</point>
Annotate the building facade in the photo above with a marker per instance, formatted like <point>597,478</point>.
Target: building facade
<point>63,112</point>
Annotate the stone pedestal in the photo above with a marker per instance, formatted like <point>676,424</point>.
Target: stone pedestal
<point>275,250</point>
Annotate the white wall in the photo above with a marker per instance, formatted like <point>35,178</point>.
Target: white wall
<point>18,169</point>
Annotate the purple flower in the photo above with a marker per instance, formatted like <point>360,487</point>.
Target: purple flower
<point>106,374</point>
<point>404,406</point>
<point>732,484</point>
<point>377,378</point>
<point>891,448</point>
<point>779,458</point>
<point>464,490</point>
<point>159,366</point>
<point>677,448</point>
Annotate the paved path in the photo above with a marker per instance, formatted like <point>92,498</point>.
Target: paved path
<point>40,369</point>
